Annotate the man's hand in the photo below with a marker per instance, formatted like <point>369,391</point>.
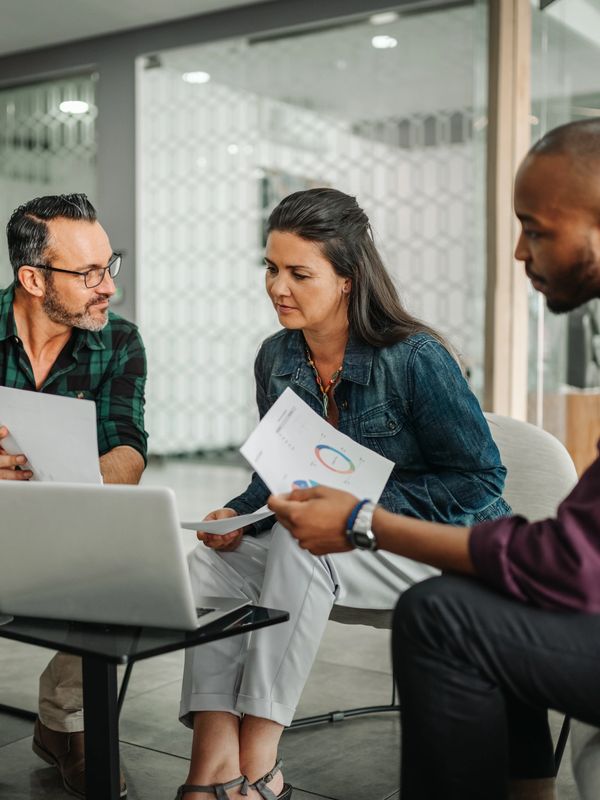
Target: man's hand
<point>316,517</point>
<point>9,464</point>
<point>217,541</point>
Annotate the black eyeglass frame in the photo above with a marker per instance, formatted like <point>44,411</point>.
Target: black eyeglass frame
<point>113,271</point>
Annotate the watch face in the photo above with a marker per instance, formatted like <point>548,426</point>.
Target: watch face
<point>363,540</point>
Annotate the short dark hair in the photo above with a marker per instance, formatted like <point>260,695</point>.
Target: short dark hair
<point>27,232</point>
<point>342,229</point>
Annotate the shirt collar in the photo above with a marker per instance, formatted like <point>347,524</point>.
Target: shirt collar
<point>90,339</point>
<point>358,358</point>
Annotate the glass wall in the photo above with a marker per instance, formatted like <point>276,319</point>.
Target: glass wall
<point>382,108</point>
<point>564,354</point>
<point>47,145</point>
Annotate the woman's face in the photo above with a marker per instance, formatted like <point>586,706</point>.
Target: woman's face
<point>306,291</point>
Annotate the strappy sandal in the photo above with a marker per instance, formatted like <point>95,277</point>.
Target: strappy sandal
<point>261,785</point>
<point>218,790</point>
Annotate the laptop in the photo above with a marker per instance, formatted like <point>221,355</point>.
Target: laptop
<point>109,554</point>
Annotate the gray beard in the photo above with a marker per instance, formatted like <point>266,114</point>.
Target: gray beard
<point>56,311</point>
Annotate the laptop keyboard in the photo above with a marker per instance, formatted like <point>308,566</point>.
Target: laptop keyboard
<point>201,612</point>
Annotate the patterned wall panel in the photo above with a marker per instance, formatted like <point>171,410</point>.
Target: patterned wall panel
<point>272,117</point>
<point>43,149</point>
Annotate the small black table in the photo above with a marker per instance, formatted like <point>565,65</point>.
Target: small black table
<point>102,647</point>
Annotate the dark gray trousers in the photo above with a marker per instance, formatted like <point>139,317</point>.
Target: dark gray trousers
<point>476,674</point>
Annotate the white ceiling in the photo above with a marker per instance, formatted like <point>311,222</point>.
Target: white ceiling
<point>30,24</point>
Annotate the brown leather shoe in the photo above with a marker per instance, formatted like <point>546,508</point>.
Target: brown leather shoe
<point>65,751</point>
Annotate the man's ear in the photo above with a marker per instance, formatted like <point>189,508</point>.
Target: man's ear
<point>32,280</point>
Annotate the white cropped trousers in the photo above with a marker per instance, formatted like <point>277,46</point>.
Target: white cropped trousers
<point>263,673</point>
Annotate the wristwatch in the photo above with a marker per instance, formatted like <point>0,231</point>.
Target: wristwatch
<point>359,532</point>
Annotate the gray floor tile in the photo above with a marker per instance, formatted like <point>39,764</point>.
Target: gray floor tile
<point>351,760</point>
<point>22,665</point>
<point>12,729</point>
<point>155,672</point>
<point>24,777</point>
<point>199,487</point>
<point>150,720</point>
<point>356,646</point>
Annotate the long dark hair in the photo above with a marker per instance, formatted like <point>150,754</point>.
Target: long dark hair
<point>336,221</point>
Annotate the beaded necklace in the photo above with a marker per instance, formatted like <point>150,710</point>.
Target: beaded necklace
<point>331,383</point>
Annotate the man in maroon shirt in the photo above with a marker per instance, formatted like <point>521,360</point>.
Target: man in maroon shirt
<point>480,659</point>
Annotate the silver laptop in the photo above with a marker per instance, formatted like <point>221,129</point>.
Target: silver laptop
<point>93,553</point>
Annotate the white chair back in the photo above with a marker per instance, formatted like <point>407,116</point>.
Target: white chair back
<point>541,472</point>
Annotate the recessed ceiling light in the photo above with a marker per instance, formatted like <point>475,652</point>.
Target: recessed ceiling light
<point>196,77</point>
<point>384,18</point>
<point>384,42</point>
<point>233,149</point>
<point>74,107</point>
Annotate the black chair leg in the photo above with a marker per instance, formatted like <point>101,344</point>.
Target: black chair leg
<point>561,743</point>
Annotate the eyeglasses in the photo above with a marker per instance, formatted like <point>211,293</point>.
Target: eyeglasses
<point>94,276</point>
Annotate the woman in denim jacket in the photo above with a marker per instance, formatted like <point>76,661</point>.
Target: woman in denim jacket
<point>351,351</point>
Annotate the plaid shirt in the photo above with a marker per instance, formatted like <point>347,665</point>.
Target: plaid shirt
<point>107,366</point>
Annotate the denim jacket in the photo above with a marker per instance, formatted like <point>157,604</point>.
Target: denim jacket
<point>410,403</point>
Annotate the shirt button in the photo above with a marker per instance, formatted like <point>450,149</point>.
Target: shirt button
<point>344,404</point>
<point>391,425</point>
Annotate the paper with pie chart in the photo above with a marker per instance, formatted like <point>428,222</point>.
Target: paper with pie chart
<point>292,446</point>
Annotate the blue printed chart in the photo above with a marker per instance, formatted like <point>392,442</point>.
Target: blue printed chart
<point>292,446</point>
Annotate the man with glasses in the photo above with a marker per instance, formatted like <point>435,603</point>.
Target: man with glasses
<point>58,336</point>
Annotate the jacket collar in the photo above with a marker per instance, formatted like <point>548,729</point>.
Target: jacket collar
<point>358,360</point>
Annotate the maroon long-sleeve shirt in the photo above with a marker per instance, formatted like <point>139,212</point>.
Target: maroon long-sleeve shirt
<point>555,563</point>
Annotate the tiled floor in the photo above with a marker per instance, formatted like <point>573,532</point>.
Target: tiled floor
<point>353,760</point>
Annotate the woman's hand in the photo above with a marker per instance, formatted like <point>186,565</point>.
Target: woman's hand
<point>9,464</point>
<point>316,517</point>
<point>225,541</point>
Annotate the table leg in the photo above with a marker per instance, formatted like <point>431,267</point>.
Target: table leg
<point>101,729</point>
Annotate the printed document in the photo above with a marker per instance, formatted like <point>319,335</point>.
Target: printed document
<point>293,447</point>
<point>57,434</point>
<point>229,524</point>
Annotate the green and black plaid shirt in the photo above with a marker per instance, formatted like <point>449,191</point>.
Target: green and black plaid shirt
<point>108,366</point>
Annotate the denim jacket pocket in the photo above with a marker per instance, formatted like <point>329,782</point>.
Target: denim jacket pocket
<point>383,429</point>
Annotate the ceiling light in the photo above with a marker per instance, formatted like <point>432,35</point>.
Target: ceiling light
<point>74,107</point>
<point>384,18</point>
<point>196,77</point>
<point>384,42</point>
<point>233,149</point>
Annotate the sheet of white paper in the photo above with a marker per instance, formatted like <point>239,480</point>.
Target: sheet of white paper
<point>57,434</point>
<point>229,524</point>
<point>292,447</point>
